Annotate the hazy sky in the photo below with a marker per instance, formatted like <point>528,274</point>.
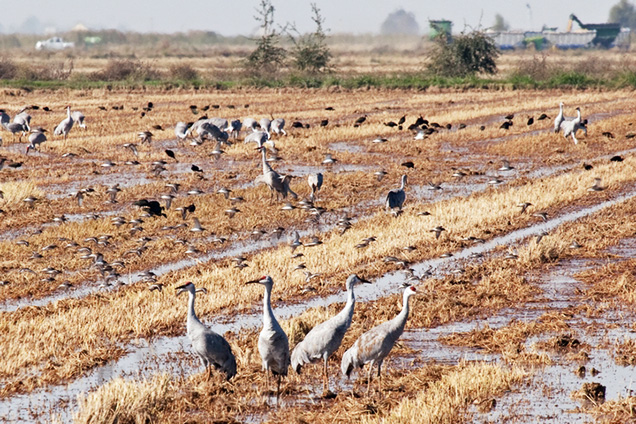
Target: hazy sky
<point>233,17</point>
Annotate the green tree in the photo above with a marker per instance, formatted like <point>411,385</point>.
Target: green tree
<point>466,55</point>
<point>311,53</point>
<point>623,13</point>
<point>268,57</point>
<point>500,23</point>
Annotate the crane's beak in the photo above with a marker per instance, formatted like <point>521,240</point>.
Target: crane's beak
<point>253,282</point>
<point>362,280</point>
<point>181,289</point>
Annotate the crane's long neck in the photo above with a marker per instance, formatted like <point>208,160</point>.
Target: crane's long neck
<point>268,313</point>
<point>351,302</point>
<point>400,320</point>
<point>266,167</point>
<point>578,116</point>
<point>402,184</point>
<point>192,317</point>
<point>68,112</point>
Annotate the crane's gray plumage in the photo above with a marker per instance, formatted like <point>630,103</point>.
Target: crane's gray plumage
<point>36,138</point>
<point>315,182</point>
<point>325,338</point>
<point>65,126</point>
<point>273,344</point>
<point>559,118</point>
<point>266,125</point>
<point>212,348</point>
<point>235,128</point>
<point>571,127</point>
<point>250,123</point>
<point>24,119</point>
<point>259,137</point>
<point>374,345</point>
<point>277,126</point>
<point>4,118</point>
<point>15,128</point>
<point>181,130</point>
<point>276,182</point>
<point>396,197</point>
<point>79,118</point>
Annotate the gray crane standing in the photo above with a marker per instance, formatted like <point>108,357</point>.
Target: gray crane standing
<point>212,348</point>
<point>559,119</point>
<point>374,345</point>
<point>325,338</point>
<point>315,182</point>
<point>276,182</point>
<point>273,344</point>
<point>396,197</point>
<point>79,118</point>
<point>64,127</point>
<point>571,127</point>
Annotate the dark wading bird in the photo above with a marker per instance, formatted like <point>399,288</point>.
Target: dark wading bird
<point>325,338</point>
<point>374,345</point>
<point>212,348</point>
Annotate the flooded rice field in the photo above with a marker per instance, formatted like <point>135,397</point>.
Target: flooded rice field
<point>517,241</point>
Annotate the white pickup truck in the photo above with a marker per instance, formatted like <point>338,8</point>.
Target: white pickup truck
<point>55,43</point>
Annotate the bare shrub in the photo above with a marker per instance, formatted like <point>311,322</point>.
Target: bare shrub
<point>538,68</point>
<point>8,69</point>
<point>125,69</point>
<point>183,72</point>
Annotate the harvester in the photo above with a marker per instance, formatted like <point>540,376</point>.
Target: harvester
<point>605,33</point>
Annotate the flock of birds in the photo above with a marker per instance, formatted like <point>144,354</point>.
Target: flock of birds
<point>372,347</point>
<point>323,340</point>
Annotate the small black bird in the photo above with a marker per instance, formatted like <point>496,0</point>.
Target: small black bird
<point>608,134</point>
<point>509,117</point>
<point>531,120</point>
<point>196,169</point>
<point>402,119</point>
<point>391,124</point>
<point>329,108</point>
<point>361,119</point>
<point>461,126</point>
<point>47,109</point>
<point>157,127</point>
<point>170,153</point>
<point>616,158</point>
<point>297,124</point>
<point>506,125</point>
<point>542,117</point>
<point>324,122</point>
<point>205,108</point>
<point>587,166</point>
<point>408,164</point>
<point>152,207</point>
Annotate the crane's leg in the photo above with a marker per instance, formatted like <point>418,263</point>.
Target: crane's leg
<point>278,388</point>
<point>325,378</point>
<point>208,371</point>
<point>574,138</point>
<point>369,378</point>
<point>267,382</point>
<point>380,377</point>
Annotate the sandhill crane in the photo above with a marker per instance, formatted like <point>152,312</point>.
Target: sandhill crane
<point>79,118</point>
<point>559,119</point>
<point>212,348</point>
<point>265,124</point>
<point>4,118</point>
<point>15,128</point>
<point>36,138</point>
<point>273,344</point>
<point>276,182</point>
<point>65,126</point>
<point>250,123</point>
<point>277,126</point>
<point>181,130</point>
<point>396,197</point>
<point>212,131</point>
<point>259,137</point>
<point>374,345</point>
<point>571,127</point>
<point>23,118</point>
<point>315,182</point>
<point>325,338</point>
<point>235,128</point>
